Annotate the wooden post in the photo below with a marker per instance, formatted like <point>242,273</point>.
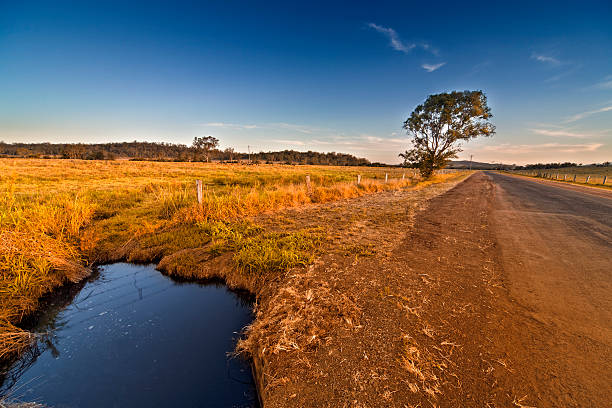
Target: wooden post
<point>564,177</point>
<point>358,179</point>
<point>386,177</point>
<point>199,191</point>
<point>587,180</point>
<point>574,178</point>
<point>308,185</point>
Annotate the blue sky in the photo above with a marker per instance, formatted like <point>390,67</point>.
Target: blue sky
<point>325,76</point>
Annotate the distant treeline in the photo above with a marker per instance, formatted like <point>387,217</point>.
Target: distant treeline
<point>172,152</point>
<point>559,165</point>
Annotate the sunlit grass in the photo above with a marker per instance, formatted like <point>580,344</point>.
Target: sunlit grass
<point>58,216</point>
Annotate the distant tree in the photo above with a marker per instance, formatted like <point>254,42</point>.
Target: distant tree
<point>205,144</point>
<point>441,123</point>
<point>230,152</point>
<point>95,155</point>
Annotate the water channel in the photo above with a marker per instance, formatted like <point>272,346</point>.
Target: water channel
<point>132,337</point>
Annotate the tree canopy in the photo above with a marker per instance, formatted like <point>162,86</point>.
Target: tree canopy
<point>171,152</point>
<point>205,144</point>
<point>439,125</point>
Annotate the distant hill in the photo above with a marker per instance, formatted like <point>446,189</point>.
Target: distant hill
<point>465,164</point>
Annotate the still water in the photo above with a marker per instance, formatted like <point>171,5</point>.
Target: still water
<point>132,337</point>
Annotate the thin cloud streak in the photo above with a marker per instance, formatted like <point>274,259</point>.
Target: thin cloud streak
<point>432,67</point>
<point>545,59</point>
<point>583,115</point>
<point>274,126</point>
<point>228,125</point>
<point>562,133</point>
<point>605,84</point>
<point>289,142</point>
<point>394,39</point>
<point>562,74</point>
<point>399,45</point>
<point>543,147</point>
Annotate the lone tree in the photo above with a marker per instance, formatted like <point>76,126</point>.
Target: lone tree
<point>205,144</point>
<point>441,123</point>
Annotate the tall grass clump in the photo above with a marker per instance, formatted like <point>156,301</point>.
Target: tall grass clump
<point>39,250</point>
<point>239,202</point>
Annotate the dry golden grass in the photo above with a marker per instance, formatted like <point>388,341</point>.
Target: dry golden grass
<point>59,216</point>
<point>592,175</point>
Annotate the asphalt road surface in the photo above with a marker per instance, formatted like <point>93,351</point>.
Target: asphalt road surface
<point>555,249</point>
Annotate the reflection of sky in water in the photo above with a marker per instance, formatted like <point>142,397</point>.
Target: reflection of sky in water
<point>134,338</point>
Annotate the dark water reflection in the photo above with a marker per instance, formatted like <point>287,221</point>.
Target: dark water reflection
<point>135,338</point>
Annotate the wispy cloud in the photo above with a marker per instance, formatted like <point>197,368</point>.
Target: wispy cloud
<point>394,39</point>
<point>606,83</point>
<point>275,126</point>
<point>228,125</point>
<point>543,147</point>
<point>480,67</point>
<point>432,67</point>
<point>562,133</point>
<point>297,128</point>
<point>583,115</point>
<point>561,75</point>
<point>545,59</point>
<point>399,45</point>
<point>289,142</point>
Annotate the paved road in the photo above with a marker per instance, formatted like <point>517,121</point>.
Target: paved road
<point>555,246</point>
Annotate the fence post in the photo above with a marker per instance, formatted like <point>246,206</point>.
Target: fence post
<point>386,177</point>
<point>587,180</point>
<point>359,179</point>
<point>199,190</point>
<point>308,185</point>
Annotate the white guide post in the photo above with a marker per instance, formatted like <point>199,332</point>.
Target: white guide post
<point>199,190</point>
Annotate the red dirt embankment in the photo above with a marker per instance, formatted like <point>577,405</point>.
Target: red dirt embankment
<point>431,297</point>
<point>439,317</point>
<point>427,299</point>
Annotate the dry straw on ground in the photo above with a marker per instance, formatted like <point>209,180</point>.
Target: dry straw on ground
<point>57,217</point>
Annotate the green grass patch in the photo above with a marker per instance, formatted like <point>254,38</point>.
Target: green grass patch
<point>259,252</point>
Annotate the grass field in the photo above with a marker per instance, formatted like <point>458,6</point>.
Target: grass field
<point>581,174</point>
<point>57,217</point>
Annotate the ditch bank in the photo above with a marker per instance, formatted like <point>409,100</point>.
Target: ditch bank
<point>301,311</point>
